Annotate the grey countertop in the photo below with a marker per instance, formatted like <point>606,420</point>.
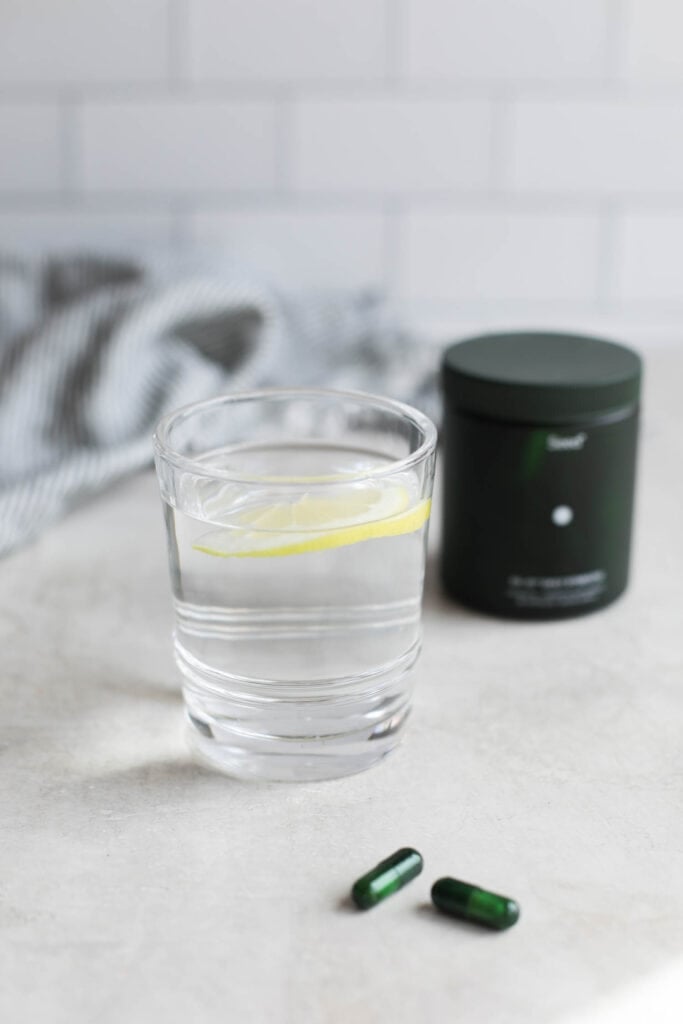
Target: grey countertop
<point>544,761</point>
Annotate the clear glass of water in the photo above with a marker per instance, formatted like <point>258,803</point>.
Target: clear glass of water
<point>297,525</point>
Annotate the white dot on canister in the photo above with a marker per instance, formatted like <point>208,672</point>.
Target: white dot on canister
<point>562,515</point>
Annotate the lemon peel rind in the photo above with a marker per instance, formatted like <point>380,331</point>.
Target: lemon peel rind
<point>393,526</point>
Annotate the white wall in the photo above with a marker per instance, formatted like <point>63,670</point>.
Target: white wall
<point>485,161</point>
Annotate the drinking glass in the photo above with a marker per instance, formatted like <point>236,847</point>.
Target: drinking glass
<point>297,525</point>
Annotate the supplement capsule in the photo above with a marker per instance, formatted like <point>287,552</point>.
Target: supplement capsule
<point>459,899</point>
<point>389,876</point>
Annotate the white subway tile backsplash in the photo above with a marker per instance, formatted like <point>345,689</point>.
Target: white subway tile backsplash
<point>390,145</point>
<point>179,146</point>
<point>597,146</point>
<point>82,41</point>
<point>504,39</point>
<point>39,231</point>
<point>30,147</point>
<point>296,248</point>
<point>649,257</point>
<point>295,40</point>
<point>493,255</point>
<point>494,156</point>
<point>652,39</point>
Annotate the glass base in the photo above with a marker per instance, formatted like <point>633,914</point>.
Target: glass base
<point>290,736</point>
<point>291,731</point>
<point>272,759</point>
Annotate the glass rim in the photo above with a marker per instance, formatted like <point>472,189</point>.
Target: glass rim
<point>163,449</point>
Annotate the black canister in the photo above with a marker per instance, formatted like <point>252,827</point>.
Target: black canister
<point>539,441</point>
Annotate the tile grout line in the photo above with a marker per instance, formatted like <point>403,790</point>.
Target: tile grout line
<point>177,35</point>
<point>394,26</point>
<point>615,36</point>
<point>500,145</point>
<point>332,90</point>
<point>71,143</point>
<point>607,250</point>
<point>392,231</point>
<point>283,172</point>
<point>458,201</point>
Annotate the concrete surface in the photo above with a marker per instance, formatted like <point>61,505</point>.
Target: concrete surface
<point>544,761</point>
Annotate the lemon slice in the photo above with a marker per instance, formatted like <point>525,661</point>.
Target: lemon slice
<point>316,523</point>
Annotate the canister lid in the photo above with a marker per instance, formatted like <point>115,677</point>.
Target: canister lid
<point>540,376</point>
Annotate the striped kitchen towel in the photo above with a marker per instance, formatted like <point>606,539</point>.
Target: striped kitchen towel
<point>94,351</point>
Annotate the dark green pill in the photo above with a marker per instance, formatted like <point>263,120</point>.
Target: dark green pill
<point>474,904</point>
<point>389,876</point>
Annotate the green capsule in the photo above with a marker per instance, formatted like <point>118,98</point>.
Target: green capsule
<point>473,904</point>
<point>389,876</point>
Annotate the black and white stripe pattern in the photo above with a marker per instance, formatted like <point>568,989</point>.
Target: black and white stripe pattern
<point>93,353</point>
